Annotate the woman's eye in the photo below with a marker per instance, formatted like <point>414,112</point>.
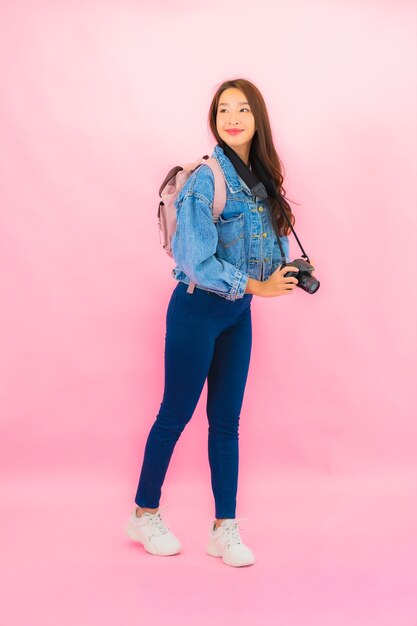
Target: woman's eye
<point>243,109</point>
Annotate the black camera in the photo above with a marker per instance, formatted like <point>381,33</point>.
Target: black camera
<point>305,278</point>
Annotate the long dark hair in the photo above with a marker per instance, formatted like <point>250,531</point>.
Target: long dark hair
<point>262,147</point>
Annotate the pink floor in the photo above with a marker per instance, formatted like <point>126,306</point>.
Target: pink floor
<point>330,552</point>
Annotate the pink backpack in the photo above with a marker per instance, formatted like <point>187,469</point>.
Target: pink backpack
<point>169,190</point>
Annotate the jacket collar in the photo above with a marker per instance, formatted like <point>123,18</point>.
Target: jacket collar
<point>233,180</point>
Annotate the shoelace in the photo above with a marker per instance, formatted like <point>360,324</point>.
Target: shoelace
<point>157,522</point>
<point>230,533</point>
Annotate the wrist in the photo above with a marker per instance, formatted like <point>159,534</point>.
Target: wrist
<point>254,286</point>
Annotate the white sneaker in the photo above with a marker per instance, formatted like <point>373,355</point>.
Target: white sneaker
<point>150,530</point>
<point>225,541</point>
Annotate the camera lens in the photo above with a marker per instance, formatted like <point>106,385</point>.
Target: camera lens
<point>309,283</point>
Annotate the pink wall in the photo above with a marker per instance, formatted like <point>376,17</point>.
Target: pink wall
<point>92,117</point>
<point>98,99</point>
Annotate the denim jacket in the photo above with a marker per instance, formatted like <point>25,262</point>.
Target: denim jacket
<point>221,256</point>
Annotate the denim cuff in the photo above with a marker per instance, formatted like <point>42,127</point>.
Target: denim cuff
<point>240,280</point>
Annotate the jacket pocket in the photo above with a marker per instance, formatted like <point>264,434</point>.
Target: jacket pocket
<point>231,231</point>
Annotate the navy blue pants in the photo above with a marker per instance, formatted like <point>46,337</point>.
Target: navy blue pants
<point>207,337</point>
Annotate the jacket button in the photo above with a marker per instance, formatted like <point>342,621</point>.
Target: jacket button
<point>264,235</point>
<point>266,260</point>
<point>260,209</point>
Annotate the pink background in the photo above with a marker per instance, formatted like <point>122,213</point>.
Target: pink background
<point>98,100</point>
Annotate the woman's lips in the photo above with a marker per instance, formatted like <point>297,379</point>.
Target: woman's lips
<point>235,131</point>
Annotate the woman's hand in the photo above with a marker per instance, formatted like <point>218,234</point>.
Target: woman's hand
<point>276,285</point>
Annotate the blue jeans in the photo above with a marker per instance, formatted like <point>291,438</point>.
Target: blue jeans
<point>207,337</point>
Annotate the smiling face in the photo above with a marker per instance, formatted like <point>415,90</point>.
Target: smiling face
<point>234,114</point>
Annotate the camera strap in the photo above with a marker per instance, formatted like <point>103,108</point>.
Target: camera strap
<point>259,188</point>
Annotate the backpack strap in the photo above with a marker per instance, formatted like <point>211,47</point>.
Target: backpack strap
<point>219,199</point>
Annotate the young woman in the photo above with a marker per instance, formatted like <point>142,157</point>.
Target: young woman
<point>208,331</point>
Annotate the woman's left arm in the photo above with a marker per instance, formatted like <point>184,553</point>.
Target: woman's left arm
<point>276,254</point>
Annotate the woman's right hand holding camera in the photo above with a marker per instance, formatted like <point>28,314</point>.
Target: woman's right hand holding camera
<point>276,285</point>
